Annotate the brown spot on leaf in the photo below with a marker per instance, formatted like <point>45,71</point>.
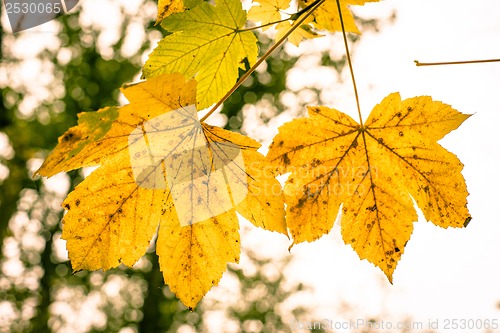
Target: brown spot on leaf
<point>69,137</point>
<point>286,160</point>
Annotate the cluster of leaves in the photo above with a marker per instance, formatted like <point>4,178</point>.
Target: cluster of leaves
<point>372,170</point>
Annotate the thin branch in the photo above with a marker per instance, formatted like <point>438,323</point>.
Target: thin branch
<point>292,17</point>
<point>350,64</point>
<point>418,63</point>
<point>266,55</point>
<point>263,25</point>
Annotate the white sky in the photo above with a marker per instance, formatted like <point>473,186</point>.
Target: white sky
<point>444,274</point>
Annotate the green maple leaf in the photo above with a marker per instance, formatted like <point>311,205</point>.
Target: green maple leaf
<point>206,43</point>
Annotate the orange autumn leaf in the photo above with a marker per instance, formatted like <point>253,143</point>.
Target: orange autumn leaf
<point>267,11</point>
<point>326,17</point>
<point>168,7</point>
<point>373,171</point>
<point>303,32</point>
<point>161,169</point>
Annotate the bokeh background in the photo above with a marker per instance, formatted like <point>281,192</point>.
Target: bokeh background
<point>78,62</point>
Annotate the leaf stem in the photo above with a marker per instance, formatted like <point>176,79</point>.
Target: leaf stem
<point>350,63</point>
<point>418,63</point>
<point>266,55</point>
<point>263,25</point>
<point>291,17</point>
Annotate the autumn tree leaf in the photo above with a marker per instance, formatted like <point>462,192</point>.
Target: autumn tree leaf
<point>169,7</point>
<point>193,258</point>
<point>267,11</point>
<point>326,17</point>
<point>71,150</point>
<point>304,31</point>
<point>264,204</point>
<point>206,43</point>
<point>114,213</point>
<point>373,171</point>
<point>103,134</point>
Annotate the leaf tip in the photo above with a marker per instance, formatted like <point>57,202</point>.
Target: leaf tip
<point>36,175</point>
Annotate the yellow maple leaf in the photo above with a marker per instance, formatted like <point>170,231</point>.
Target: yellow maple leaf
<point>168,7</point>
<point>267,11</point>
<point>68,155</point>
<point>373,171</point>
<point>326,17</point>
<point>103,134</point>
<point>161,169</point>
<point>303,32</point>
